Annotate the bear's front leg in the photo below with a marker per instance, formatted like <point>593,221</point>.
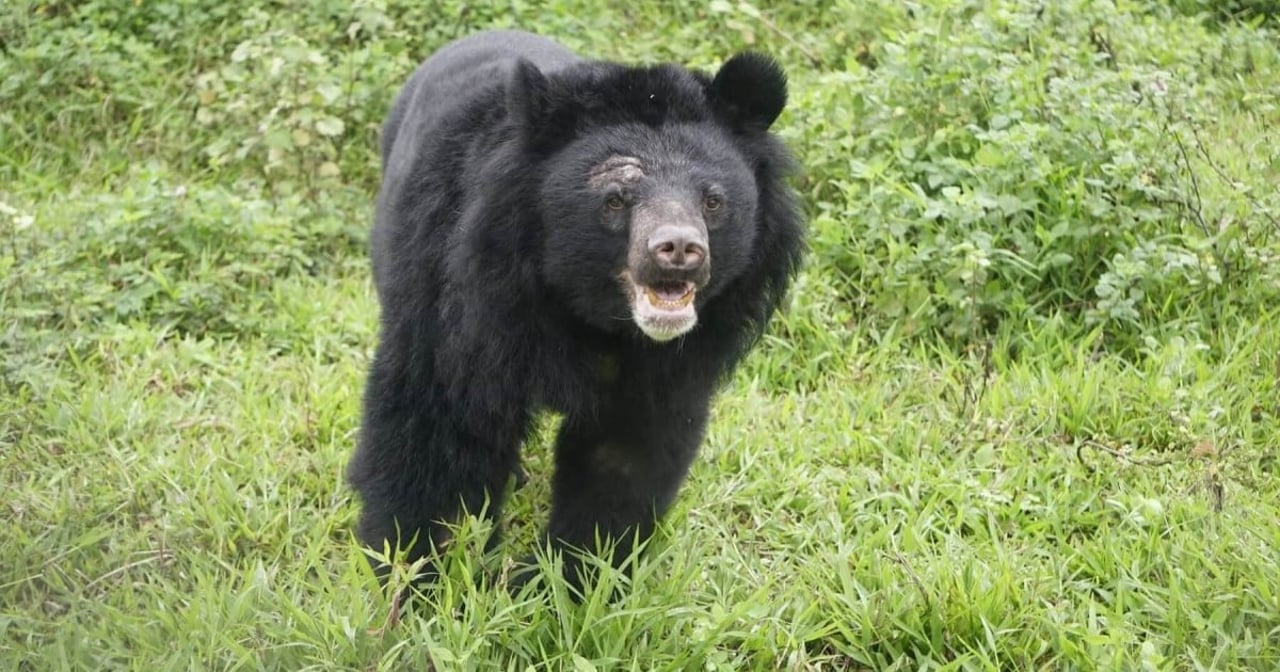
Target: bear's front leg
<point>421,463</point>
<point>616,475</point>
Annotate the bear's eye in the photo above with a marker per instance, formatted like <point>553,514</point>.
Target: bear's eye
<point>712,203</point>
<point>615,202</point>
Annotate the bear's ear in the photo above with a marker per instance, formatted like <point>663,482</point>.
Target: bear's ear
<point>749,91</point>
<point>527,97</point>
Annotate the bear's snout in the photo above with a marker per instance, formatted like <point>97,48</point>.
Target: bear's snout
<point>678,248</point>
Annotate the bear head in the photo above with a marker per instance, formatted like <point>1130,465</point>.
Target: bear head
<point>648,195</point>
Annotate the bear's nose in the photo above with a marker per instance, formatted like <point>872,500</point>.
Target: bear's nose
<point>678,248</point>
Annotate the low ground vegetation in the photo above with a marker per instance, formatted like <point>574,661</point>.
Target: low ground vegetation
<point>1021,412</point>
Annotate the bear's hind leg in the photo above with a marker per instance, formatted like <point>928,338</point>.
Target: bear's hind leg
<point>418,468</point>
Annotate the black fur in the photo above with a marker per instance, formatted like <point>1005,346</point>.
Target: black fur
<point>497,272</point>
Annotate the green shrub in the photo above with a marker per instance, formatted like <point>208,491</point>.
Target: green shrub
<point>198,261</point>
<point>968,166</point>
<point>1003,162</point>
<point>1249,11</point>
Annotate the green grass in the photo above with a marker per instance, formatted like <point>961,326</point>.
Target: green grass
<point>953,451</point>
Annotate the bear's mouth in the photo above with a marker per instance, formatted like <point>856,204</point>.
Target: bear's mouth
<point>670,295</point>
<point>663,310</point>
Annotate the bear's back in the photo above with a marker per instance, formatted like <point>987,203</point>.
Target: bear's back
<point>462,70</point>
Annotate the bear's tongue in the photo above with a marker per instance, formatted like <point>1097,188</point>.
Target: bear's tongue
<point>670,295</point>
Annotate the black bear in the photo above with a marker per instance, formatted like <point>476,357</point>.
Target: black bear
<point>595,239</point>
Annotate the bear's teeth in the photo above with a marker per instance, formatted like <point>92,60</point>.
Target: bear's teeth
<point>670,303</point>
